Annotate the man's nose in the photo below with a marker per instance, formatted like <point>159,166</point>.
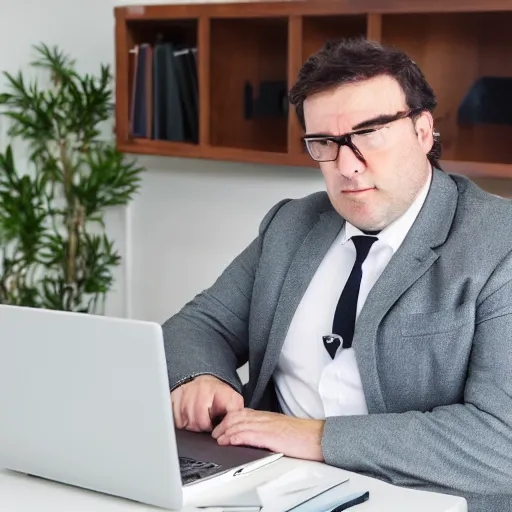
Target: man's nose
<point>348,163</point>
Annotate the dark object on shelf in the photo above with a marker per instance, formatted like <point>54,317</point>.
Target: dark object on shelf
<point>167,105</point>
<point>187,82</point>
<point>164,97</point>
<point>141,111</point>
<point>488,101</point>
<point>272,100</point>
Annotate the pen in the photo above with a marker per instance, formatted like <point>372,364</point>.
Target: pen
<point>231,509</point>
<point>354,499</point>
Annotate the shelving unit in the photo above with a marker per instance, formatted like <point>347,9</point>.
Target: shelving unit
<point>244,45</point>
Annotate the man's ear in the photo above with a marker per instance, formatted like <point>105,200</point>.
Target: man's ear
<point>424,127</point>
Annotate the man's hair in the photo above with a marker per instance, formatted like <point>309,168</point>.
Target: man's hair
<point>356,60</point>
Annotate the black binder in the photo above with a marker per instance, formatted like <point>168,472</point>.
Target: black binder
<point>188,93</point>
<point>139,108</point>
<point>167,105</point>
<point>192,69</point>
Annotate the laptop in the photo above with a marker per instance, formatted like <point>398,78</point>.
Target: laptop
<point>84,400</point>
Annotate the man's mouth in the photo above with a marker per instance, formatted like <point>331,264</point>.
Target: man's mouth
<point>357,191</point>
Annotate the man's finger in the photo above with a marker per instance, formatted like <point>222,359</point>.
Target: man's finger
<point>176,412</point>
<point>197,412</point>
<point>185,415</point>
<point>231,418</point>
<point>248,424</point>
<point>224,424</point>
<point>248,438</point>
<point>225,399</point>
<point>241,427</point>
<point>203,421</point>
<point>236,402</point>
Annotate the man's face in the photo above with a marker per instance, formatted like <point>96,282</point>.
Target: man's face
<point>371,195</point>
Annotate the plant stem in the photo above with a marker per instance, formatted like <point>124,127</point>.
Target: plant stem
<point>3,279</point>
<point>71,220</point>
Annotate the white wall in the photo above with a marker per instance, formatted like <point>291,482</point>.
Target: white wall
<point>191,216</point>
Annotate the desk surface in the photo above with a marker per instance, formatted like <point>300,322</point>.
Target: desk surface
<point>21,493</point>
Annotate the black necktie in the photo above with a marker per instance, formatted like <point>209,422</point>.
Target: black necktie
<point>345,315</point>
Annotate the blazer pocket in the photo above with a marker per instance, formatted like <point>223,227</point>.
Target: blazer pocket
<point>446,320</point>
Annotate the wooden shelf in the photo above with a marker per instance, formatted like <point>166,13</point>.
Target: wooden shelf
<point>257,9</point>
<point>243,45</point>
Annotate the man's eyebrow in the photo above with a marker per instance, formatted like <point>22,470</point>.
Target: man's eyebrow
<point>374,121</point>
<point>377,120</point>
<point>319,135</point>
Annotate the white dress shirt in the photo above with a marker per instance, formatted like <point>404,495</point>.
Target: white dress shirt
<point>309,384</point>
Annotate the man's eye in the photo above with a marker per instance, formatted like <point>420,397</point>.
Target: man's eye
<point>374,139</point>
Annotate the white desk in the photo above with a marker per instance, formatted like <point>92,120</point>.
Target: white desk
<point>20,493</point>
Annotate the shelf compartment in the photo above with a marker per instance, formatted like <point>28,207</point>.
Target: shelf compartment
<point>171,64</point>
<point>247,52</point>
<point>454,50</point>
<point>317,30</point>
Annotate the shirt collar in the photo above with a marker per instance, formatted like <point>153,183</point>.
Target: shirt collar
<point>394,234</point>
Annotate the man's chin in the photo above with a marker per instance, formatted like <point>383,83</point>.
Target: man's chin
<point>362,219</point>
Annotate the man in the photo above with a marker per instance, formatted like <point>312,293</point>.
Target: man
<point>418,390</point>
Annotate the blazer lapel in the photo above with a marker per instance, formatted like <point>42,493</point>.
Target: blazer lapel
<point>414,257</point>
<point>301,271</point>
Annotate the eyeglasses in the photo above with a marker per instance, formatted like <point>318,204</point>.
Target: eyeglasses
<point>326,148</point>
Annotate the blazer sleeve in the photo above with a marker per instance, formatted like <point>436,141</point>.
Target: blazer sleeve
<point>465,447</point>
<point>210,333</point>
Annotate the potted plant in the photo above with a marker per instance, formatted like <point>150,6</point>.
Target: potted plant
<point>54,252</point>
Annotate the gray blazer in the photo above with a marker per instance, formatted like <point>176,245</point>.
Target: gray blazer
<point>433,341</point>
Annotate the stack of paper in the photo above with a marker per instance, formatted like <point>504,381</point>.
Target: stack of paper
<point>293,488</point>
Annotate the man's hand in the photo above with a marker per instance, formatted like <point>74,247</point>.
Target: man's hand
<point>196,403</point>
<point>294,437</point>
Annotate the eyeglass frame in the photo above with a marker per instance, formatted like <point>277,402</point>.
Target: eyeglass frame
<point>346,139</point>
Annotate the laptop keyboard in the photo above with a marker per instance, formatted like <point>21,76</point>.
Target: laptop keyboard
<point>192,469</point>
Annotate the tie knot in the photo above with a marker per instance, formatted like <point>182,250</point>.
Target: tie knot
<point>363,244</point>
